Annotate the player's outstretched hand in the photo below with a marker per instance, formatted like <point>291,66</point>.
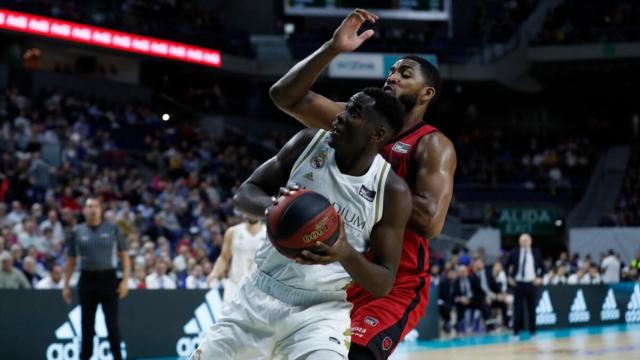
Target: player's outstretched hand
<point>326,254</point>
<point>346,38</point>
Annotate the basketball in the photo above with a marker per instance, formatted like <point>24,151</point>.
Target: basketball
<point>300,219</point>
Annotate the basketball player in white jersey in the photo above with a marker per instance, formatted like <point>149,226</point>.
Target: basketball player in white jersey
<point>290,309</point>
<point>238,252</point>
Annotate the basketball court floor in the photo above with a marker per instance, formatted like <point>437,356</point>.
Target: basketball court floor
<point>611,342</point>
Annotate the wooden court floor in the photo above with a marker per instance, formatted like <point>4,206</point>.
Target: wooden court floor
<point>614,342</point>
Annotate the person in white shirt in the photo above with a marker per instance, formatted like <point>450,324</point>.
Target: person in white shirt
<point>547,278</point>
<point>560,277</point>
<point>159,278</point>
<point>55,224</point>
<point>525,271</point>
<point>611,268</point>
<point>197,279</point>
<point>594,276</point>
<point>576,278</point>
<point>238,253</point>
<point>138,279</point>
<point>53,280</point>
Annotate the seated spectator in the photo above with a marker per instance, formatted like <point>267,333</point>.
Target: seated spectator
<point>52,281</point>
<point>197,279</point>
<point>594,276</point>
<point>467,295</point>
<point>30,272</point>
<point>159,278</point>
<point>138,279</point>
<point>10,277</point>
<point>502,298</point>
<point>445,297</point>
<point>581,277</point>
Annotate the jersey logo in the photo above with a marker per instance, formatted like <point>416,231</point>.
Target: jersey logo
<point>401,147</point>
<point>319,160</point>
<point>308,176</point>
<point>387,343</point>
<point>367,194</point>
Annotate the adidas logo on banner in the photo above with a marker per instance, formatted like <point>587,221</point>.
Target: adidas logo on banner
<point>609,308</point>
<point>633,308</point>
<point>579,311</point>
<point>71,334</point>
<point>205,316</point>
<point>544,311</point>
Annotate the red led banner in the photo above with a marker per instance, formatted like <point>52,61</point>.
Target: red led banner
<point>66,30</point>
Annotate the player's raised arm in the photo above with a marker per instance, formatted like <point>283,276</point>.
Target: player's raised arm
<point>292,93</point>
<point>436,163</point>
<point>254,195</point>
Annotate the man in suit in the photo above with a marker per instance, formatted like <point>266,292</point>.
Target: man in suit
<point>445,297</point>
<point>525,274</point>
<point>467,293</point>
<point>489,289</point>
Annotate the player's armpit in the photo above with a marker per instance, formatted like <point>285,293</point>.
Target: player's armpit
<point>436,164</point>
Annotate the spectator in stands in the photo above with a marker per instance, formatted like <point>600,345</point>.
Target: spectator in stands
<point>55,224</point>
<point>488,287</point>
<point>594,275</point>
<point>467,295</point>
<point>197,279</point>
<point>446,298</point>
<point>611,268</point>
<point>30,271</point>
<point>560,277</point>
<point>502,298</point>
<point>579,277</point>
<point>159,278</point>
<point>635,262</point>
<point>138,279</point>
<point>53,280</point>
<point>10,277</point>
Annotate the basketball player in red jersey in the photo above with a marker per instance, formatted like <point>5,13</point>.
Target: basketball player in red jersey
<point>420,154</point>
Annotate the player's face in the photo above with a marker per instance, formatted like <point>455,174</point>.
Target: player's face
<point>405,82</point>
<point>348,129</point>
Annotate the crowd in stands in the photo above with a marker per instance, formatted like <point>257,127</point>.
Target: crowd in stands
<point>576,21</point>
<point>554,166</point>
<point>167,187</point>
<point>489,292</point>
<point>627,210</point>
<point>185,21</point>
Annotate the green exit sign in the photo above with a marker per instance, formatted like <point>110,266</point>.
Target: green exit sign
<point>536,221</point>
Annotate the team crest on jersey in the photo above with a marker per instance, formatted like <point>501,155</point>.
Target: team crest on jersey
<point>371,321</point>
<point>319,160</point>
<point>367,194</point>
<point>401,147</point>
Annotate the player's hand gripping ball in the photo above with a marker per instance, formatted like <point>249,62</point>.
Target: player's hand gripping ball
<point>298,219</point>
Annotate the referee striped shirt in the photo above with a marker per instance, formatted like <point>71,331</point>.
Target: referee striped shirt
<point>97,247</point>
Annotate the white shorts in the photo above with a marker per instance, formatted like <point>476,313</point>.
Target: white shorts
<point>255,325</point>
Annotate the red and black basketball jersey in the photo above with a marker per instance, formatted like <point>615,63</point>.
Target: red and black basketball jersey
<point>400,153</point>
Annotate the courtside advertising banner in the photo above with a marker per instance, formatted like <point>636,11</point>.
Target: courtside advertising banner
<point>37,324</point>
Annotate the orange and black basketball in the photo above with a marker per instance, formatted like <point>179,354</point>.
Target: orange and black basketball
<point>300,219</point>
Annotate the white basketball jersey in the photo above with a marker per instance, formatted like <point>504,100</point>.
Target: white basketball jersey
<point>243,250</point>
<point>358,200</point>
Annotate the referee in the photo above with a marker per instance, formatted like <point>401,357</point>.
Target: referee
<point>98,244</point>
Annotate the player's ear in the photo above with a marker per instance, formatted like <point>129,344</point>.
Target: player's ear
<point>379,133</point>
<point>427,93</point>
